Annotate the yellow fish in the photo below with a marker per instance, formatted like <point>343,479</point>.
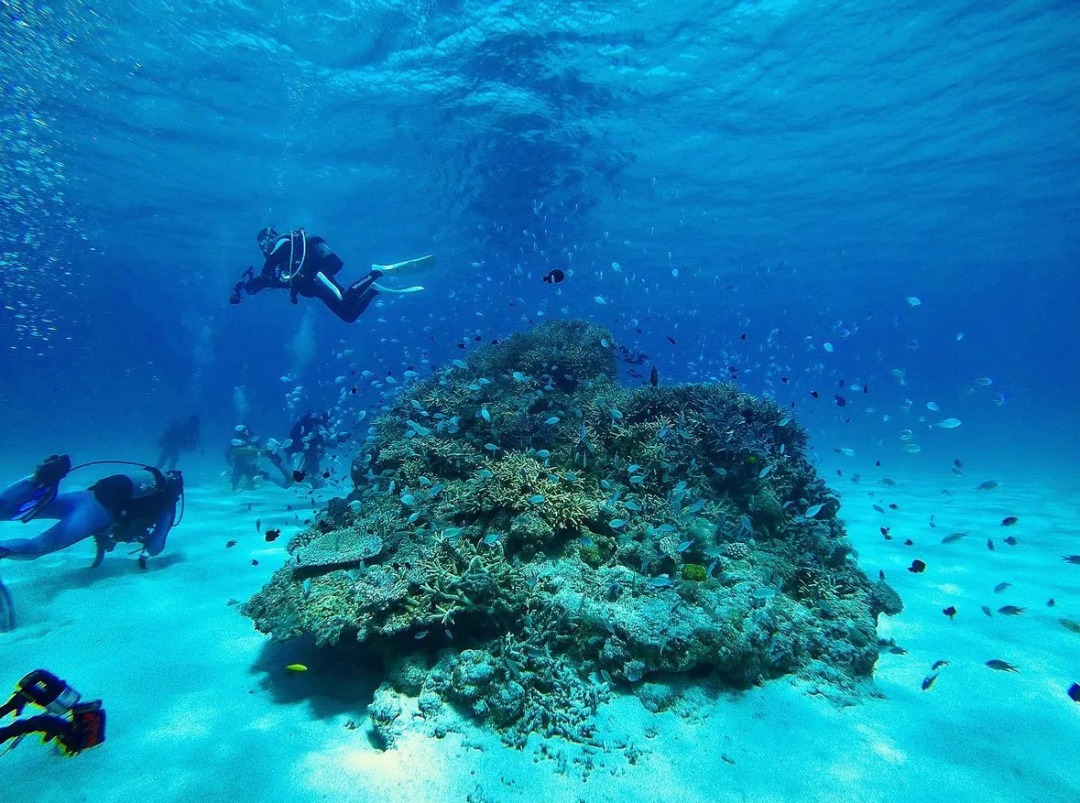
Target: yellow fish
<point>296,668</point>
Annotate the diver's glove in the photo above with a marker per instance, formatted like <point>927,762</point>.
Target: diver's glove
<point>52,469</point>
<point>234,296</point>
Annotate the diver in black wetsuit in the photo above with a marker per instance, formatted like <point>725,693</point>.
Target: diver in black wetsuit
<point>179,436</point>
<point>305,266</point>
<point>135,507</point>
<point>309,438</point>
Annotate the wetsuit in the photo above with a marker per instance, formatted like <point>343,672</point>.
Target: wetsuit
<point>310,437</point>
<point>136,507</point>
<point>312,266</point>
<point>243,454</point>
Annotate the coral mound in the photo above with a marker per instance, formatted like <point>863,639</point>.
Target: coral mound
<point>526,536</point>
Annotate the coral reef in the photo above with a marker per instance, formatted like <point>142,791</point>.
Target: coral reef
<point>526,537</point>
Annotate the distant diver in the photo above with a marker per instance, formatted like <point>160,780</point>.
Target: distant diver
<point>179,436</point>
<point>309,439</point>
<point>136,507</point>
<point>244,453</point>
<point>305,266</point>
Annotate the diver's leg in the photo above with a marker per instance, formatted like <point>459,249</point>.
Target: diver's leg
<point>330,293</point>
<point>80,516</point>
<point>286,480</point>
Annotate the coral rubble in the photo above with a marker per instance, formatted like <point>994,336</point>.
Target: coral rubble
<point>526,536</point>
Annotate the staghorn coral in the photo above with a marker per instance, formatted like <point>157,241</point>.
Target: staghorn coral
<point>531,536</point>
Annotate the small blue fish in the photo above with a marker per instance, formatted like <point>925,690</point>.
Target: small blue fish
<point>616,414</point>
<point>784,421</point>
<point>519,377</point>
<point>459,363</point>
<point>587,542</point>
<point>631,505</point>
<point>813,510</point>
<point>537,499</point>
<point>543,454</point>
<point>491,447</point>
<point>744,520</point>
<point>637,479</point>
<point>661,581</point>
<point>407,499</point>
<point>617,524</point>
<point>694,508</point>
<point>552,421</point>
<point>633,467</point>
<point>765,472</point>
<point>485,473</point>
<point>491,538</point>
<point>452,532</point>
<point>484,414</point>
<point>685,545</point>
<point>417,405</point>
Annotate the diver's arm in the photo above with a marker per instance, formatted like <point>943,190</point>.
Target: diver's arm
<point>155,542</point>
<point>264,281</point>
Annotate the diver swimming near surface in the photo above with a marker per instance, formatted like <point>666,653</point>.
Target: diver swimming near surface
<point>306,266</point>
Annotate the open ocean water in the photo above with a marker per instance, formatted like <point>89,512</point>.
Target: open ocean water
<point>868,212</point>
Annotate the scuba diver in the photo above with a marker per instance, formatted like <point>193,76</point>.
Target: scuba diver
<point>309,439</point>
<point>73,723</point>
<point>179,436</point>
<point>306,266</point>
<point>136,507</point>
<point>243,455</point>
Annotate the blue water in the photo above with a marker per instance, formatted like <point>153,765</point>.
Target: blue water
<point>769,177</point>
<point>805,167</point>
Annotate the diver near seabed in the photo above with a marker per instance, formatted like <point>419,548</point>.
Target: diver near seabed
<point>309,439</point>
<point>244,453</point>
<point>179,436</point>
<point>137,507</point>
<point>306,266</point>
<point>73,723</point>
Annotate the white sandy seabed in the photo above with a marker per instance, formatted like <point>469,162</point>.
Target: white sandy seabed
<point>200,706</point>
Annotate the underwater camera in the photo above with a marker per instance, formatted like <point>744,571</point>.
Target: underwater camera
<point>75,725</point>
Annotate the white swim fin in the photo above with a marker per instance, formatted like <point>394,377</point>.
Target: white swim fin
<point>408,266</point>
<point>382,288</point>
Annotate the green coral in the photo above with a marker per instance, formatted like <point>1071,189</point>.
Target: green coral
<point>694,572</point>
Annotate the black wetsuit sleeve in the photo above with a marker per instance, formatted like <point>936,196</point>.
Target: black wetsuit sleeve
<point>264,281</point>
